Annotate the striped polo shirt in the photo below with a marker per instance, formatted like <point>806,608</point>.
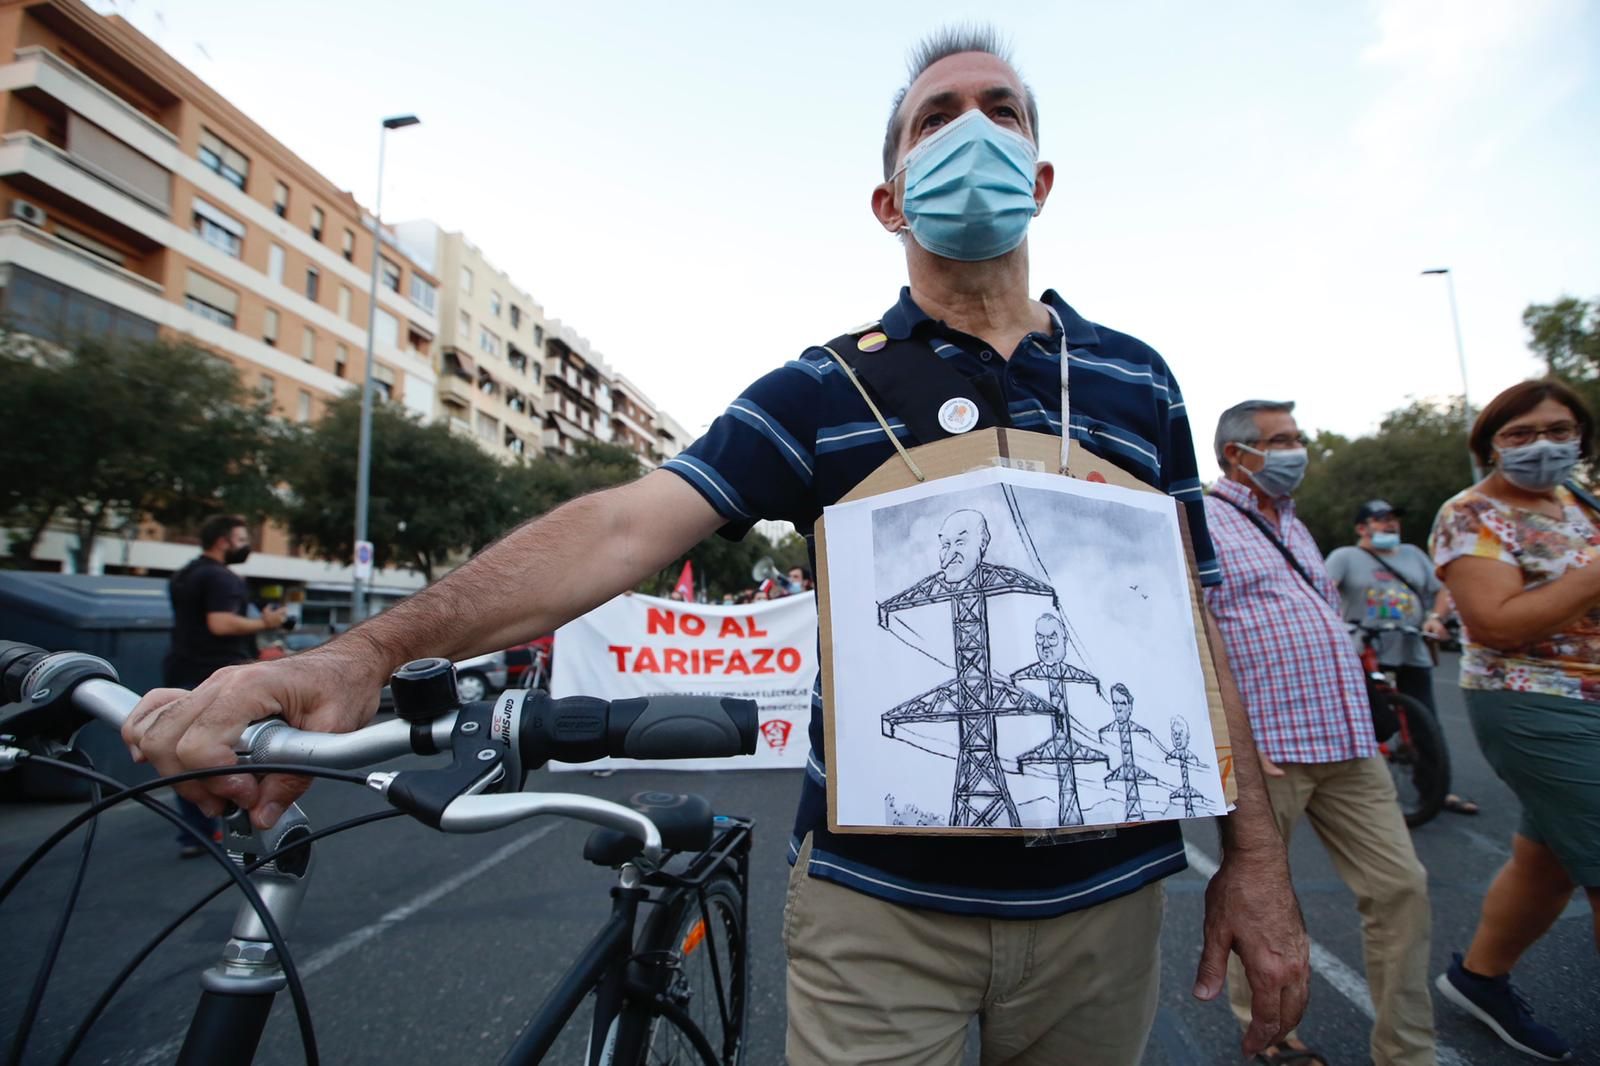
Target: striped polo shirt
<point>801,437</point>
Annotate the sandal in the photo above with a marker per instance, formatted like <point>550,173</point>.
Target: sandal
<point>1284,1053</point>
<point>1456,805</point>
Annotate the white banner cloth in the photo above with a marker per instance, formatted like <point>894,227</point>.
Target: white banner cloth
<point>644,646</point>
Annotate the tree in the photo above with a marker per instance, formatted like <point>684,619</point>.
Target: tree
<point>1566,335</point>
<point>545,482</point>
<point>115,432</point>
<point>1416,460</point>
<point>434,494</point>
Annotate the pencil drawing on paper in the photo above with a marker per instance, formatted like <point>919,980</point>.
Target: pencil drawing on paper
<point>999,713</point>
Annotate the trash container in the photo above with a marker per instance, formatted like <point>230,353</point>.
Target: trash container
<point>126,621</point>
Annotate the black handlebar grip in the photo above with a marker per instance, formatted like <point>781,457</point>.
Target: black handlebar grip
<point>681,727</point>
<point>16,659</point>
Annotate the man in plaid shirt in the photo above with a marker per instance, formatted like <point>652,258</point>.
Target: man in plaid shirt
<point>1302,684</point>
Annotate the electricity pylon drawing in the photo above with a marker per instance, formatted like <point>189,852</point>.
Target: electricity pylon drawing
<point>1061,751</point>
<point>1184,758</point>
<point>1129,772</point>
<point>975,697</point>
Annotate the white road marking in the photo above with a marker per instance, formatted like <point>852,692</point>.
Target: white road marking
<point>1332,969</point>
<point>350,941</point>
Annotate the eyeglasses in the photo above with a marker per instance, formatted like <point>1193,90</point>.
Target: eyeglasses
<point>1517,436</point>
<point>1282,442</point>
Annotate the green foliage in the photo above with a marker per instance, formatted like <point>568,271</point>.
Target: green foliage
<point>1416,460</point>
<point>109,433</point>
<point>721,566</point>
<point>1566,335</point>
<point>547,481</point>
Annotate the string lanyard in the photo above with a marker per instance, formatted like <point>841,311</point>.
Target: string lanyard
<point>1066,404</point>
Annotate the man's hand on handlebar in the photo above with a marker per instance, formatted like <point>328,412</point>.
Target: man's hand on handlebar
<point>331,690</point>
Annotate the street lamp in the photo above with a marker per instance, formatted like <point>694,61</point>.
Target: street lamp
<point>358,585</point>
<point>1461,354</point>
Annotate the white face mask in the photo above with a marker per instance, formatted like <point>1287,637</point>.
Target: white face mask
<point>1283,472</point>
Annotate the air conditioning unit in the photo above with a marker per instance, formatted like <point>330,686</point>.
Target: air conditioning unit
<point>32,214</point>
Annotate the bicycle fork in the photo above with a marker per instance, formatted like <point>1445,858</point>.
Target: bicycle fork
<point>237,991</point>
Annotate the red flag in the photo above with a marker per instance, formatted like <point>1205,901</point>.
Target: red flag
<point>685,586</point>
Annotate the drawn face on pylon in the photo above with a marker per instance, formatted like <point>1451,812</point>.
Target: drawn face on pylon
<point>1049,639</point>
<point>1121,704</point>
<point>1180,734</point>
<point>963,539</point>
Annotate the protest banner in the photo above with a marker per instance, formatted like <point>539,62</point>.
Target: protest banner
<point>643,646</point>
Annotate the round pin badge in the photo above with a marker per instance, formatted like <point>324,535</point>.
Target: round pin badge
<point>871,342</point>
<point>958,415</point>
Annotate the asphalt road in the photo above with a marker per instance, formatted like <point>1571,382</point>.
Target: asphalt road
<point>420,948</point>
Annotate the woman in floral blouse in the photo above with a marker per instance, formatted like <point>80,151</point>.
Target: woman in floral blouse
<point>1520,553</point>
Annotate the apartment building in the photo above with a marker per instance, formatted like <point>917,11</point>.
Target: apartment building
<point>491,334</point>
<point>136,201</point>
<point>633,420</point>
<point>671,437</point>
<point>577,391</point>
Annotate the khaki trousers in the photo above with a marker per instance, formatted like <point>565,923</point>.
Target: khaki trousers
<point>1353,809</point>
<point>874,982</point>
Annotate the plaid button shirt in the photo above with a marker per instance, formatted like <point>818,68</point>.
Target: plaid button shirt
<point>1294,661</point>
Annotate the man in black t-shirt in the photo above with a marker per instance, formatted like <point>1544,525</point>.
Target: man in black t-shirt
<point>211,629</point>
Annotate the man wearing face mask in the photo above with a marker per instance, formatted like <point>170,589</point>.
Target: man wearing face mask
<point>1302,683</point>
<point>1383,582</point>
<point>894,944</point>
<point>211,629</point>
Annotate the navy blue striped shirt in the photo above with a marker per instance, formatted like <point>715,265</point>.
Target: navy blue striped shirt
<point>801,437</point>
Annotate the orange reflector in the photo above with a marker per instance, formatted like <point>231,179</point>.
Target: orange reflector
<point>696,935</point>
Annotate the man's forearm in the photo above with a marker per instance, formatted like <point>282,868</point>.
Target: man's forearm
<point>1251,824</point>
<point>543,573</point>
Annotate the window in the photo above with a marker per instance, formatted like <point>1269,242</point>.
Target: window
<point>217,229</point>
<point>344,301</point>
<point>313,283</point>
<point>303,410</point>
<point>386,329</point>
<point>280,199</point>
<point>391,276</point>
<point>494,303</point>
<point>488,342</point>
<point>538,336</point>
<point>466,280</point>
<point>308,345</point>
<point>350,245</point>
<point>267,387</point>
<point>423,294</point>
<point>466,327</point>
<point>516,317</point>
<point>488,428</point>
<point>275,264</point>
<point>341,357</point>
<point>318,220</point>
<point>217,155</point>
<point>269,327</point>
<point>211,300</point>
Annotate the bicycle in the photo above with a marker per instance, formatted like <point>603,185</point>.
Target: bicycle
<point>1410,737</point>
<point>674,990</point>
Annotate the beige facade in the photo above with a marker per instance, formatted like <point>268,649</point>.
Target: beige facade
<point>491,334</point>
<point>136,201</point>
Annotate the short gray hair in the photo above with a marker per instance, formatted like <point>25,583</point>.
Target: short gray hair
<point>1238,424</point>
<point>942,44</point>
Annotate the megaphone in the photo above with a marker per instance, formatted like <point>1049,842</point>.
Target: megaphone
<point>766,570</point>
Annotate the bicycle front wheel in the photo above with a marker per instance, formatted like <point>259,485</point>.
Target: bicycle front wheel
<point>696,947</point>
<point>1418,760</point>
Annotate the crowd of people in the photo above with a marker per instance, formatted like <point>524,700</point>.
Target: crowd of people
<point>1517,556</point>
<point>895,944</point>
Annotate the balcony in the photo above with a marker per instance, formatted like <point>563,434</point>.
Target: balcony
<point>455,392</point>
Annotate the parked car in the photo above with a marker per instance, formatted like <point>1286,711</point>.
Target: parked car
<point>477,678</point>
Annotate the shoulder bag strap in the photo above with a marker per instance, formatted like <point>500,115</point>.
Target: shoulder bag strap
<point>1272,538</point>
<point>1389,566</point>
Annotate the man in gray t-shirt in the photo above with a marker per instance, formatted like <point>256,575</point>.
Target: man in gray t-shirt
<point>1385,582</point>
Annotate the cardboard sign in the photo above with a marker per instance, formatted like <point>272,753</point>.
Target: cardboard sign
<point>1000,716</point>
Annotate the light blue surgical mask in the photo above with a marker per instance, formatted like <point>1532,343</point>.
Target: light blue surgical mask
<point>969,189</point>
<point>1540,466</point>
<point>1284,470</point>
<point>1386,541</point>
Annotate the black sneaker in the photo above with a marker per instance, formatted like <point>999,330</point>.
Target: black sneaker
<point>1496,1004</point>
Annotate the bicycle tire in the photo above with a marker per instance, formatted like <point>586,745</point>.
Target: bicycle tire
<point>1418,760</point>
<point>682,937</point>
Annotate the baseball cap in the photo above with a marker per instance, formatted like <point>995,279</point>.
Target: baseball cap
<point>1377,509</point>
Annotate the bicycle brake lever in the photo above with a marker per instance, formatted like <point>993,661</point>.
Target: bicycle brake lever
<point>481,759</point>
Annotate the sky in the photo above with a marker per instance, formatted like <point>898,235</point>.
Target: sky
<point>1251,187</point>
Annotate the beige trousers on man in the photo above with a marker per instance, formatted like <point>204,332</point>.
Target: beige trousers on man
<point>874,982</point>
<point>1353,809</point>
